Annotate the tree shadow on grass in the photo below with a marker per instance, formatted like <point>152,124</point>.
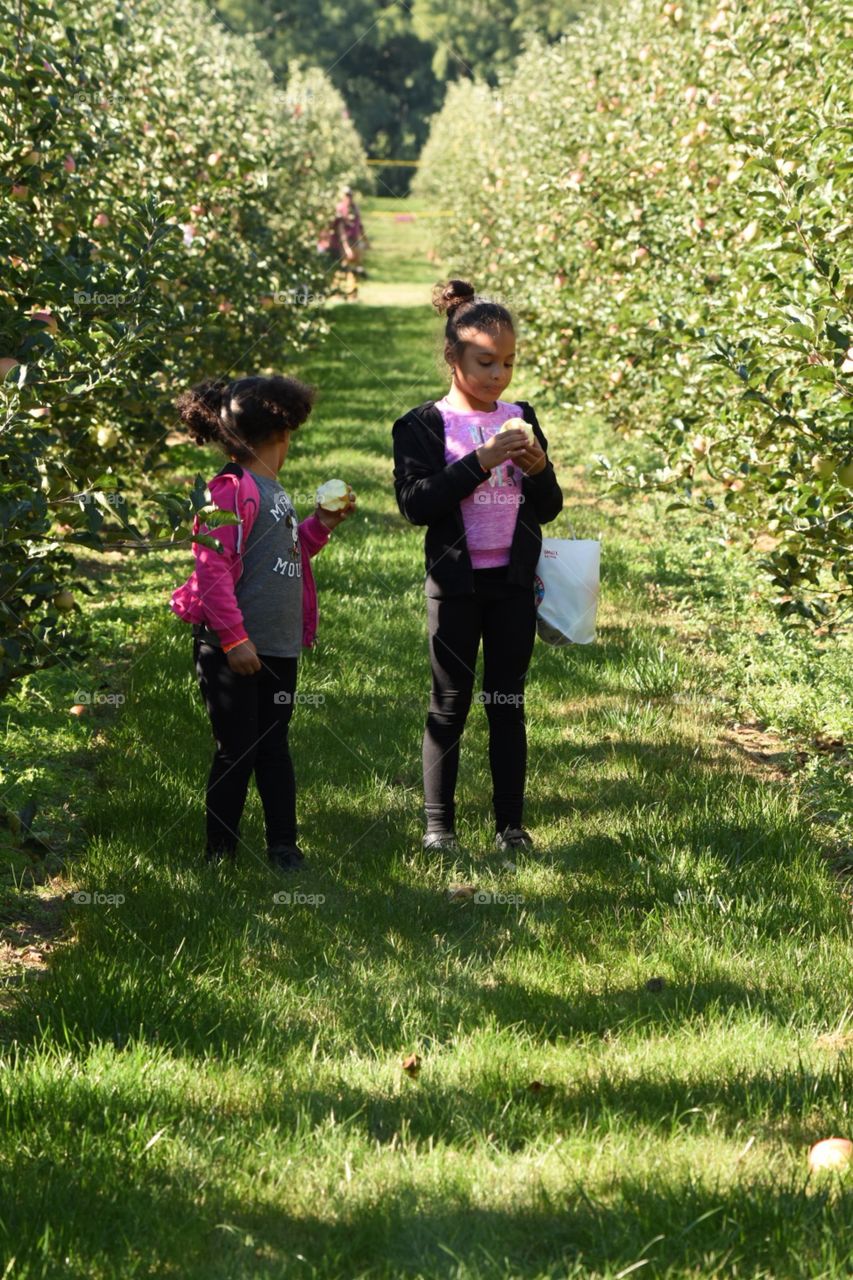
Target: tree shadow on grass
<point>150,1216</point>
<point>176,962</point>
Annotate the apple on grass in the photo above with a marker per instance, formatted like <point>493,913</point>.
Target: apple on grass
<point>830,1153</point>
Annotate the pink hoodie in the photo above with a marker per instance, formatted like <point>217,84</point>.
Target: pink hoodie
<point>208,594</point>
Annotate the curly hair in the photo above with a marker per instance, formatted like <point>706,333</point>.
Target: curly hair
<point>240,415</point>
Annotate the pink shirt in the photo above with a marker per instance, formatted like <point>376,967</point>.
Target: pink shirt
<point>491,511</point>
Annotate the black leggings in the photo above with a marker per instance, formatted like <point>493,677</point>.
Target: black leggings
<point>250,717</point>
<point>505,618</point>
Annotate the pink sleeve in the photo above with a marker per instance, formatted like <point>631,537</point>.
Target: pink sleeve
<point>313,534</point>
<point>214,569</point>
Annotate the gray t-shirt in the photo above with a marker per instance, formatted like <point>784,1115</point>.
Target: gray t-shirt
<point>269,590</point>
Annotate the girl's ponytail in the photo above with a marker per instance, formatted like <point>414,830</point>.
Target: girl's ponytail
<point>200,410</point>
<point>239,416</point>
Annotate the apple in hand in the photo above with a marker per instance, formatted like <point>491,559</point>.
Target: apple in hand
<point>517,424</point>
<point>335,501</point>
<point>334,495</point>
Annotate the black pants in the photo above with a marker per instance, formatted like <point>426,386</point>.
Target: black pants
<point>504,617</point>
<point>250,717</point>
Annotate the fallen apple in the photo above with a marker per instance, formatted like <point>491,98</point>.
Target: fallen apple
<point>334,495</point>
<point>830,1153</point>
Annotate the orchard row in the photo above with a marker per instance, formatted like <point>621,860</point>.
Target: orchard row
<point>160,199</point>
<point>664,200</point>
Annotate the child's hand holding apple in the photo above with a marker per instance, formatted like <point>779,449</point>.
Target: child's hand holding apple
<point>335,501</point>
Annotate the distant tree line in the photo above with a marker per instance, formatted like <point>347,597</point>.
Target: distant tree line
<point>393,63</point>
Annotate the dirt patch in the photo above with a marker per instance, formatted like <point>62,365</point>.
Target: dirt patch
<point>835,1041</point>
<point>29,931</point>
<point>766,752</point>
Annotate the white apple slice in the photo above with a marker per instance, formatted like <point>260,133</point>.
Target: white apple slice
<point>516,424</point>
<point>334,495</point>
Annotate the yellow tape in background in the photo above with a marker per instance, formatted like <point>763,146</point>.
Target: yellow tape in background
<point>397,213</point>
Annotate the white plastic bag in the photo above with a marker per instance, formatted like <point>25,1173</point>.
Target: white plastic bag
<point>566,586</point>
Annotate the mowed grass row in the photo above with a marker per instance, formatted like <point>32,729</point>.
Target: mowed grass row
<point>625,1054</point>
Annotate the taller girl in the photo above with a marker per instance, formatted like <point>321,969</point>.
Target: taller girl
<point>483,494</point>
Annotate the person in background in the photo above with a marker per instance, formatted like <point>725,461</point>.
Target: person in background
<point>344,243</point>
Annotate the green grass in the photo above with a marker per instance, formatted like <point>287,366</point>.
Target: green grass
<point>206,1082</point>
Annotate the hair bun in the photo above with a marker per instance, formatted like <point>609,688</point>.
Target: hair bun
<point>447,297</point>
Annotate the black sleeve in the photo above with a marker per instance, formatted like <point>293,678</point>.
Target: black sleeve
<point>423,493</point>
<point>542,490</point>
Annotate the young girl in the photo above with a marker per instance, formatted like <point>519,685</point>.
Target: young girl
<point>483,494</point>
<point>253,606</point>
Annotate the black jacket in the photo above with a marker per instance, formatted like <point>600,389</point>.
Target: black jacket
<point>429,490</point>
